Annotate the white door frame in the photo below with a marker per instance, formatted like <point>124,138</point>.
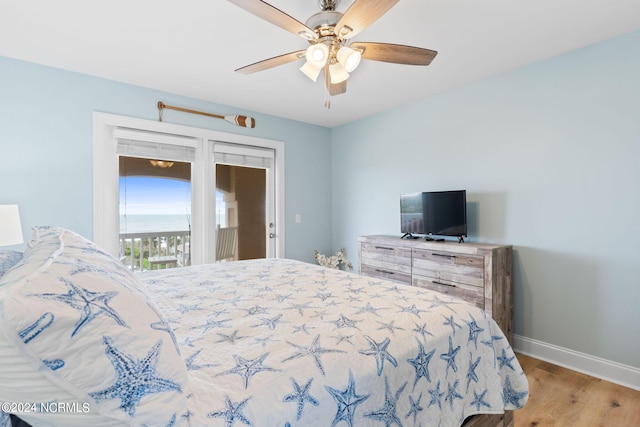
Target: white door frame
<point>105,181</point>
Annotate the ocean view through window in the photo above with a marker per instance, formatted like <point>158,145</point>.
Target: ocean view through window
<point>155,213</point>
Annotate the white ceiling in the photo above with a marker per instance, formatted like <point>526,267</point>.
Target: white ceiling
<point>191,47</point>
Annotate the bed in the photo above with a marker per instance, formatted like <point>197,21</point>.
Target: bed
<point>271,342</point>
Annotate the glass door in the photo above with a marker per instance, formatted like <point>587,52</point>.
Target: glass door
<point>245,208</point>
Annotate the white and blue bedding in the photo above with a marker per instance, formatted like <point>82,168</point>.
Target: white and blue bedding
<point>284,343</point>
<point>263,343</point>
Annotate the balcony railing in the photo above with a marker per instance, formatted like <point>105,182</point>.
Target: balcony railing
<point>141,251</point>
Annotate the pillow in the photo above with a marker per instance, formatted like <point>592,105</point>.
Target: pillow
<point>8,259</point>
<point>80,320</point>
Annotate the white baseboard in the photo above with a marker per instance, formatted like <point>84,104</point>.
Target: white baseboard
<point>624,375</point>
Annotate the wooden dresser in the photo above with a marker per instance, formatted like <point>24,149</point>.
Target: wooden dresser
<point>475,272</point>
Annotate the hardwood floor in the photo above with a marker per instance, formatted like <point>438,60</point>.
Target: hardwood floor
<point>561,397</point>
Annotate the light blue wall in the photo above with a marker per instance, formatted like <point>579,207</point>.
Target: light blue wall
<point>550,157</point>
<point>46,149</point>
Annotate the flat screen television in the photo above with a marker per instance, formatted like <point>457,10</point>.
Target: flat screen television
<point>434,213</point>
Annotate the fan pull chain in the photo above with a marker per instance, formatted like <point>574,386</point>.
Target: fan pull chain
<point>327,98</point>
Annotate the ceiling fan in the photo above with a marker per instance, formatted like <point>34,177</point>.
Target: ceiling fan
<point>328,33</point>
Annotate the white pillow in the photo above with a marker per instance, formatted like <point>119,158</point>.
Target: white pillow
<point>78,319</point>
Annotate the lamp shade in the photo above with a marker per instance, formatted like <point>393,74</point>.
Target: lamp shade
<point>338,73</point>
<point>310,70</point>
<point>349,58</point>
<point>10,227</point>
<point>317,54</point>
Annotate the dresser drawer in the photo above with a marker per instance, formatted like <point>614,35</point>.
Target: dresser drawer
<point>386,253</point>
<point>387,271</point>
<point>469,293</point>
<point>449,267</point>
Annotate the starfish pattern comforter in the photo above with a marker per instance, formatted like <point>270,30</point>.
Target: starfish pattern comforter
<point>282,343</point>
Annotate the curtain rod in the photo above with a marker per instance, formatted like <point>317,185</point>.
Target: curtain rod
<point>244,121</point>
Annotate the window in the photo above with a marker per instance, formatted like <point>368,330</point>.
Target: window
<point>118,137</point>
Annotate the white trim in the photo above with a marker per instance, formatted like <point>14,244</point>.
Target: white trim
<point>624,375</point>
<point>105,164</point>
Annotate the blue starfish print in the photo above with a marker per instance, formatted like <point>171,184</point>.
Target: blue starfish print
<point>471,374</point>
<point>342,338</point>
<point>452,394</point>
<point>256,309</point>
<point>503,360</point>
<point>436,396</point>
<point>511,396</point>
<point>412,310</point>
<point>90,304</point>
<point>478,400</point>
<point>437,302</point>
<point>189,342</point>
<point>212,324</point>
<point>390,326</point>
<point>347,401</point>
<point>450,357</point>
<point>353,298</point>
<point>344,322</point>
<point>415,408</point>
<point>135,378</point>
<point>421,364</point>
<point>301,328</point>
<point>301,395</point>
<point>474,330</point>
<point>489,343</point>
<point>452,323</point>
<point>321,314</point>
<point>299,307</point>
<point>393,289</point>
<point>263,341</point>
<point>231,339</point>
<point>387,414</point>
<point>379,350</point>
<point>183,309</point>
<point>369,309</point>
<point>282,298</point>
<point>164,326</point>
<point>247,368</point>
<point>422,330</point>
<point>232,412</point>
<point>191,365</point>
<point>314,350</point>
<point>323,296</point>
<point>270,323</point>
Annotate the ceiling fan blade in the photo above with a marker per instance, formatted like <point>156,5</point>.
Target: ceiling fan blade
<point>360,15</point>
<point>334,88</point>
<point>395,53</point>
<point>277,17</point>
<point>271,62</point>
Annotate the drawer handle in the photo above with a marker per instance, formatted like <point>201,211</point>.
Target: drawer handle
<point>435,282</point>
<point>384,271</point>
<point>384,247</point>
<point>444,255</point>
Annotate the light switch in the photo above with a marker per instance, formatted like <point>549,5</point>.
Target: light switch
<point>298,218</point>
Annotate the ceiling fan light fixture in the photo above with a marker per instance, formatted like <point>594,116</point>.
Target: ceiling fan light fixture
<point>310,70</point>
<point>317,54</point>
<point>349,58</point>
<point>337,73</point>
